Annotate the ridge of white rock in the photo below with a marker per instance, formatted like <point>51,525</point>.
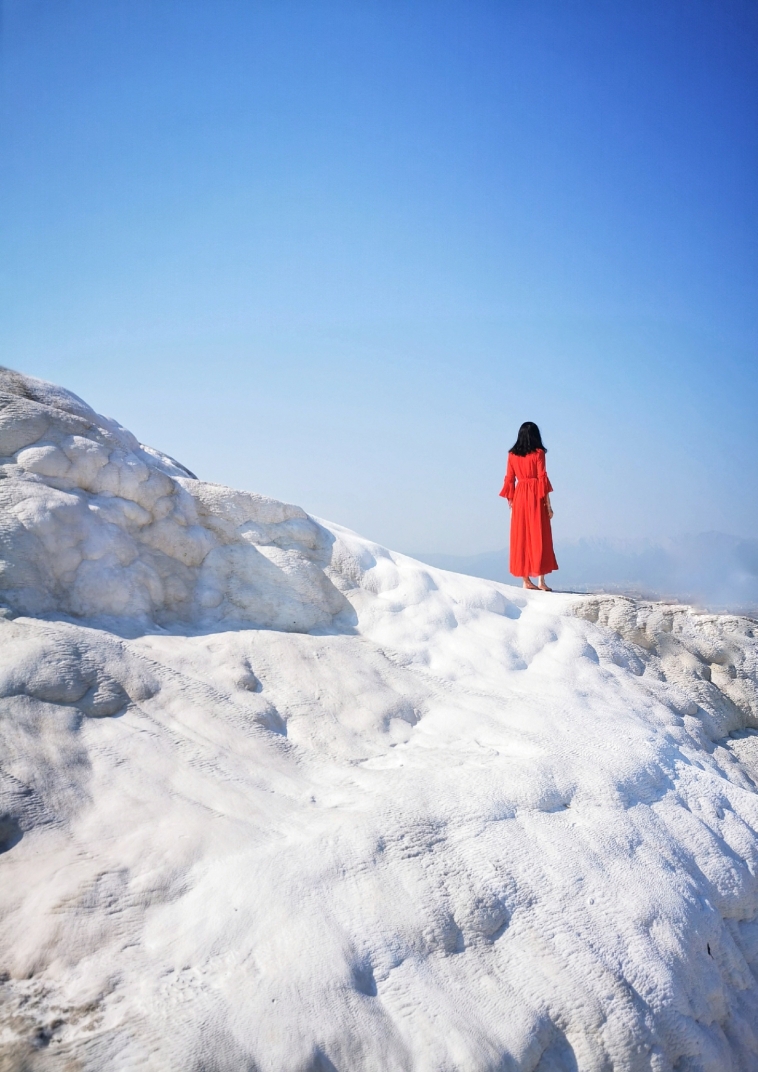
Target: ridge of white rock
<point>94,524</point>
<point>431,823</point>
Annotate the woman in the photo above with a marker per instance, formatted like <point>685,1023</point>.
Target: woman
<point>527,490</point>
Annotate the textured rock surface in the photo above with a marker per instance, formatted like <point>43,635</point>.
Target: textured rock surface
<point>92,524</point>
<point>457,827</point>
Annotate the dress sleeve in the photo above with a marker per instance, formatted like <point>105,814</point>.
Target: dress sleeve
<point>544,480</point>
<point>509,485</point>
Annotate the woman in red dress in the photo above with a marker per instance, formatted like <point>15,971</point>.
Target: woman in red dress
<point>527,490</point>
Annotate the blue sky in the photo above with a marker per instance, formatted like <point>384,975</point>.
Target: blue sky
<point>337,252</point>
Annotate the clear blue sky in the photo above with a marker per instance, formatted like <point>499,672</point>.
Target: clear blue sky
<point>337,252</point>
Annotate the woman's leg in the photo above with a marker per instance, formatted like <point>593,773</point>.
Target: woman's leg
<point>542,584</point>
<point>529,583</point>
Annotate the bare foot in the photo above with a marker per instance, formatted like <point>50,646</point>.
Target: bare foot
<point>544,588</point>
<point>529,583</point>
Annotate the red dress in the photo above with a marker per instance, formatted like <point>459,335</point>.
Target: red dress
<point>526,485</point>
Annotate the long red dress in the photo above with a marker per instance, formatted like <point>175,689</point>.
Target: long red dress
<point>526,485</point>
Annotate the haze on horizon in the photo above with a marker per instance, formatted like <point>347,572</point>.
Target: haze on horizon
<point>337,252</point>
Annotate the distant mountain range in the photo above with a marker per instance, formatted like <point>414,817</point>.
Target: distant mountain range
<point>712,570</point>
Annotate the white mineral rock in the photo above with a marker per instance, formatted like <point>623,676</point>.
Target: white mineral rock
<point>94,525</point>
<point>274,798</point>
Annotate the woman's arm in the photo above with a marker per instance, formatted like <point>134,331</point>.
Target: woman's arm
<point>545,487</point>
<point>509,485</point>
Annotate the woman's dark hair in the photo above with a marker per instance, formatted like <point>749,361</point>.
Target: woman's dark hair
<point>529,439</point>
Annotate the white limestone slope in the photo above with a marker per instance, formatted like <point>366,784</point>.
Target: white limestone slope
<point>94,524</point>
<point>276,798</point>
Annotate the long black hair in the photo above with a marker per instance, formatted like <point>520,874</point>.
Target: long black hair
<point>528,440</point>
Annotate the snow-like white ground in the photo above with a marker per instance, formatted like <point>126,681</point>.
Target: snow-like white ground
<point>277,799</point>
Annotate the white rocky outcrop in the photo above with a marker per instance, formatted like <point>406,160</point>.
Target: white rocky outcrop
<point>93,524</point>
<point>310,805</point>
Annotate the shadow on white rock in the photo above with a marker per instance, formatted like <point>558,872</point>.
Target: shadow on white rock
<point>95,525</point>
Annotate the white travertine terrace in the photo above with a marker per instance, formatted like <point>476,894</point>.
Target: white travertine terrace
<point>94,524</point>
<point>273,797</point>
